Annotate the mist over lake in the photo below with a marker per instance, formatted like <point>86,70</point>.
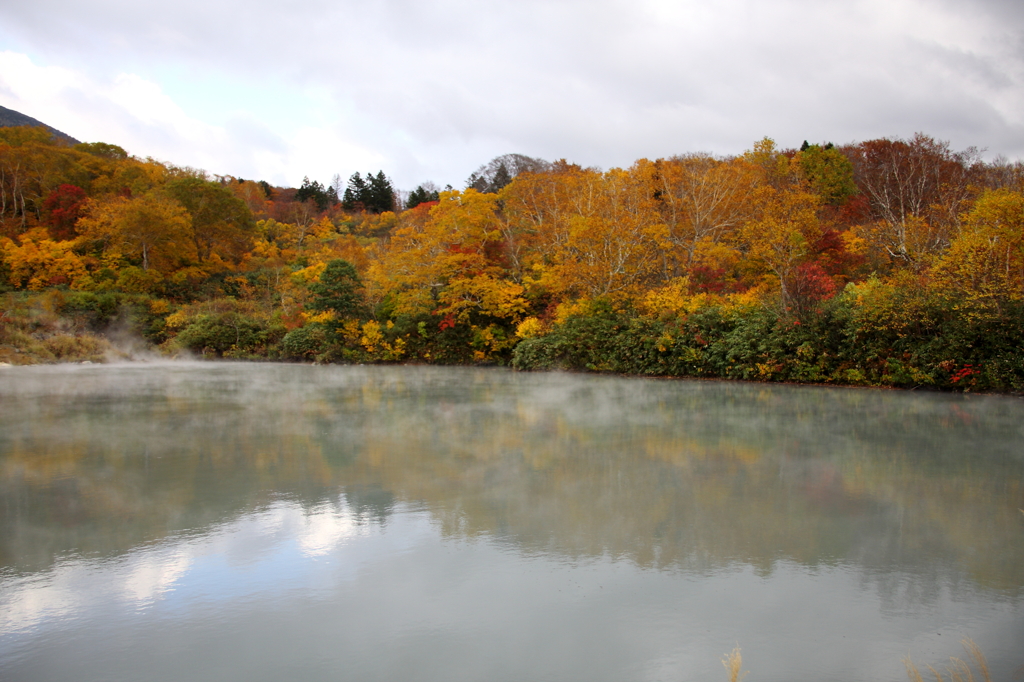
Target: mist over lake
<point>226,521</point>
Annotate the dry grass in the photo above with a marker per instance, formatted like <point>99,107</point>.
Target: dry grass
<point>32,332</point>
<point>733,662</point>
<point>958,669</point>
<point>79,348</point>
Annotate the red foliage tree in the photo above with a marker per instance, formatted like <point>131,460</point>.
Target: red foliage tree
<point>809,286</point>
<point>62,209</point>
<point>917,189</point>
<point>831,255</point>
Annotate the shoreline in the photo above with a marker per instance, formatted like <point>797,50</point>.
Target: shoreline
<point>153,356</point>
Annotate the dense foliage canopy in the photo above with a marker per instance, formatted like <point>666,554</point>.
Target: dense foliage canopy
<point>886,262</point>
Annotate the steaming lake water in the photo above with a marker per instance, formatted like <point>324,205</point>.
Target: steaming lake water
<point>200,521</point>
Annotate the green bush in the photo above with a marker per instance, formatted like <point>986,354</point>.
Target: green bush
<point>305,343</point>
<point>579,343</point>
<point>903,336</point>
<point>96,310</point>
<point>229,334</point>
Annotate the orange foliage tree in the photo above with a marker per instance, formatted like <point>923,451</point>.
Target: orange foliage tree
<point>152,229</point>
<point>702,201</point>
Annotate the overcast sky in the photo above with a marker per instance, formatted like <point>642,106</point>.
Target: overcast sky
<point>432,89</point>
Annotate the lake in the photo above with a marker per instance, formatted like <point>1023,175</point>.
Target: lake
<point>237,521</point>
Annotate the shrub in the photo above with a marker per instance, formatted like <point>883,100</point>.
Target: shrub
<point>228,334</point>
<point>305,343</point>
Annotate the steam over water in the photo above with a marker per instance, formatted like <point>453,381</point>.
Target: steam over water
<point>253,522</point>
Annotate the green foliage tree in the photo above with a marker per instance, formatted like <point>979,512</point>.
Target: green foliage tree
<point>305,343</point>
<point>338,291</point>
<point>228,334</point>
<point>103,150</point>
<point>828,172</point>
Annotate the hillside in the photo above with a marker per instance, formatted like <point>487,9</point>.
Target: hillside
<point>10,117</point>
<point>886,262</point>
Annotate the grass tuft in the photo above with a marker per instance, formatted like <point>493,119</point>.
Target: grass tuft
<point>733,662</point>
<point>979,658</point>
<point>958,669</point>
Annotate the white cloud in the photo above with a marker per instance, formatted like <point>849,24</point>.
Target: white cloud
<point>28,602</point>
<point>26,81</point>
<point>152,576</point>
<point>327,527</point>
<point>138,115</point>
<point>284,532</point>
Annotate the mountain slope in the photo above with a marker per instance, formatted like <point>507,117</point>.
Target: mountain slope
<point>10,117</point>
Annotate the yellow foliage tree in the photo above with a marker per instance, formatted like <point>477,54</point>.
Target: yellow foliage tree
<point>604,236</point>
<point>986,260</point>
<point>531,204</point>
<point>39,262</point>
<point>448,263</point>
<point>780,235</point>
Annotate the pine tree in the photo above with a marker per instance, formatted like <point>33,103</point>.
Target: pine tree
<point>313,191</point>
<point>355,194</point>
<point>374,194</point>
<point>381,195</point>
<point>422,194</point>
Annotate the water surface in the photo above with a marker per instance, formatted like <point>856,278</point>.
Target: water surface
<point>264,522</point>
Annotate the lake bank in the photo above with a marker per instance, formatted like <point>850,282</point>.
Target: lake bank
<point>913,343</point>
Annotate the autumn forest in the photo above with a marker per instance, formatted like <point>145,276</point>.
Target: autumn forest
<point>890,262</point>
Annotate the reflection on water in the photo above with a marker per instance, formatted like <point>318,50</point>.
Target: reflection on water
<point>215,521</point>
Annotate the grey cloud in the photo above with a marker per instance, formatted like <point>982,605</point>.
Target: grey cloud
<point>600,82</point>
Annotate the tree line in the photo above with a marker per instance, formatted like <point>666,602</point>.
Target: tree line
<point>885,262</point>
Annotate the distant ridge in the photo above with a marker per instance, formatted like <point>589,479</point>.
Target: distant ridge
<point>10,117</point>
